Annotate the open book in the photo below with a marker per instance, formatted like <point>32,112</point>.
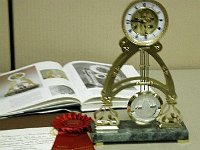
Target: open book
<point>48,85</point>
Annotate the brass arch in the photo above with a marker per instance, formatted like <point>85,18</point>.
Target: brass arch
<point>110,89</point>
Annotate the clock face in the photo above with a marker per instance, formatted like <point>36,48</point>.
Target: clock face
<point>144,107</point>
<point>144,22</point>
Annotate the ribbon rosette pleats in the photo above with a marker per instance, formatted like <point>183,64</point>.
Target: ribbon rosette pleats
<point>72,132</point>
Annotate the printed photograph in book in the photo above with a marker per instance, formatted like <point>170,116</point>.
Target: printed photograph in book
<point>52,73</point>
<point>19,82</point>
<point>60,89</point>
<point>93,75</point>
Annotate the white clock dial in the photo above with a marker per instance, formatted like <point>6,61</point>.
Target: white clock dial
<point>144,22</point>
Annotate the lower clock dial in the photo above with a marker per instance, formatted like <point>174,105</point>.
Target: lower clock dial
<point>144,107</point>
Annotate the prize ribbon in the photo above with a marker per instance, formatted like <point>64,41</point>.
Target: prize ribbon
<point>72,132</point>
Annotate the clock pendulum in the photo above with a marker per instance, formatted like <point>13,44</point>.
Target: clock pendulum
<point>143,24</point>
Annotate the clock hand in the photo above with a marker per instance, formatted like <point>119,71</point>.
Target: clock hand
<point>150,19</point>
<point>140,20</point>
<point>145,30</point>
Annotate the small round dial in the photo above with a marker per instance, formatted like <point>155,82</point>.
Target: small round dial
<point>144,22</point>
<point>144,107</point>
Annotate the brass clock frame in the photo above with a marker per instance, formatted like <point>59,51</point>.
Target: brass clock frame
<point>169,116</point>
<point>107,118</point>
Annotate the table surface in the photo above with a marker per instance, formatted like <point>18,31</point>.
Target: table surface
<point>187,88</point>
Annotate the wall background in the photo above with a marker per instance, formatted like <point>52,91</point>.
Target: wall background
<point>4,37</point>
<point>66,30</point>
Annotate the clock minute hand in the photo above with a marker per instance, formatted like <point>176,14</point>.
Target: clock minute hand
<point>140,20</point>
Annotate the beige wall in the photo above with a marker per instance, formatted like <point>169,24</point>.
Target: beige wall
<point>4,37</point>
<point>66,30</point>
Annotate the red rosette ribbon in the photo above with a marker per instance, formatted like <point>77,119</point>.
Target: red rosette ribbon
<point>72,123</point>
<point>72,132</point>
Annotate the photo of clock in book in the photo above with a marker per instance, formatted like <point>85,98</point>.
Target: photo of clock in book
<point>19,83</point>
<point>144,22</point>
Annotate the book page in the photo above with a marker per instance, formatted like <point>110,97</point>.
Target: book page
<point>32,85</point>
<point>55,79</point>
<point>88,77</point>
<point>27,139</point>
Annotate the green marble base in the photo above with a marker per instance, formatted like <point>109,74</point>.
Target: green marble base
<point>131,132</point>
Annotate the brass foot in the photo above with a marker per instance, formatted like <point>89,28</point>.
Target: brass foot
<point>99,144</point>
<point>183,141</point>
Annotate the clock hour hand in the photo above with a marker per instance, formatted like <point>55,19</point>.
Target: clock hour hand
<point>140,20</point>
<point>150,19</point>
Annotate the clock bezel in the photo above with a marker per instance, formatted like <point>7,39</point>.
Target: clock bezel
<point>157,37</point>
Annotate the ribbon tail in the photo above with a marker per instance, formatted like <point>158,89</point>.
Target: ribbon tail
<point>75,142</point>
